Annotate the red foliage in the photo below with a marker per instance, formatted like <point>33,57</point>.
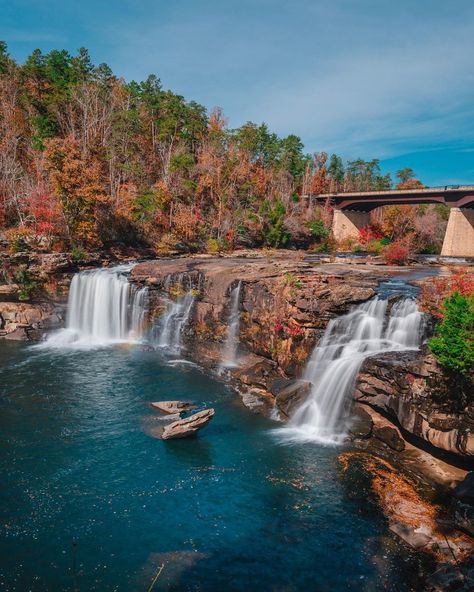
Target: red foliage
<point>44,208</point>
<point>294,330</point>
<point>369,233</point>
<point>397,253</point>
<point>434,293</point>
<point>290,330</point>
<point>278,327</point>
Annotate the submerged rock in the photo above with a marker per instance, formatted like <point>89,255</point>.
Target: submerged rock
<point>173,407</point>
<point>411,517</point>
<point>189,426</point>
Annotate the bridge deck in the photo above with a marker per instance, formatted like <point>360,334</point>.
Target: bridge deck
<point>458,196</point>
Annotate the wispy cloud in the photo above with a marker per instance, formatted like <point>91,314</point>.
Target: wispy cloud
<point>370,78</point>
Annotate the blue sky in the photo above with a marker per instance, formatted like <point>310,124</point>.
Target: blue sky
<point>371,78</point>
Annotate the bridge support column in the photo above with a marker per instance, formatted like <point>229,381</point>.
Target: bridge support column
<point>347,224</point>
<point>459,237</point>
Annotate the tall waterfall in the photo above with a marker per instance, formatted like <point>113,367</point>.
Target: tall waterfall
<point>335,363</point>
<point>103,308</point>
<point>229,356</point>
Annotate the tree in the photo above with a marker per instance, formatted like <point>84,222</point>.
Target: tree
<point>407,179</point>
<point>453,343</point>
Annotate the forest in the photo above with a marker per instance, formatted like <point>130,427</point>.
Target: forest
<point>88,160</point>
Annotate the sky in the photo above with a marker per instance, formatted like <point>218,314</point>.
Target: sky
<point>364,78</point>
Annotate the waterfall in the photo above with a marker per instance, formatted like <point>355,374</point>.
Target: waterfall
<point>103,308</point>
<point>174,322</point>
<point>229,357</point>
<point>335,363</point>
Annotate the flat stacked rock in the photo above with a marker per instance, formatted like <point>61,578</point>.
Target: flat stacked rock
<point>183,428</point>
<point>172,407</point>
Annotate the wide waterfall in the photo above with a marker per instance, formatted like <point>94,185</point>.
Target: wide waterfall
<point>103,308</point>
<point>335,363</point>
<point>229,356</point>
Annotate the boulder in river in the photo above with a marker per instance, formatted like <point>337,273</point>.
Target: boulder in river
<point>172,407</point>
<point>189,426</point>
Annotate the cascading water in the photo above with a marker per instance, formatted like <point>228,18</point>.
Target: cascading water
<point>176,317</point>
<point>229,357</point>
<point>335,363</point>
<point>103,308</point>
<point>174,321</point>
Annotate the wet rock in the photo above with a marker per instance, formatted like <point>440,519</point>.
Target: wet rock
<point>361,423</point>
<point>172,407</point>
<point>184,428</point>
<point>385,431</point>
<point>257,400</point>
<point>390,435</point>
<point>293,394</point>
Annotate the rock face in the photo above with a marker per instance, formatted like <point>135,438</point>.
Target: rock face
<point>22,321</point>
<point>173,407</point>
<point>413,390</point>
<point>285,305</point>
<point>184,428</point>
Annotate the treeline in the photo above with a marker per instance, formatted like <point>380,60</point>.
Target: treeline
<point>87,159</point>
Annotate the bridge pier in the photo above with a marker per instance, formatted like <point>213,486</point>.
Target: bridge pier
<point>459,237</point>
<point>348,223</point>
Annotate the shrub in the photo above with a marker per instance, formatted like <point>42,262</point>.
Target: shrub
<point>26,283</point>
<point>212,246</point>
<point>78,254</point>
<point>375,246</point>
<point>368,234</point>
<point>292,280</point>
<point>318,229</point>
<point>397,253</point>
<point>453,343</point>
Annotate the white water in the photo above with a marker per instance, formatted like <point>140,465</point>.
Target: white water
<point>229,356</point>
<point>174,322</point>
<point>103,308</point>
<point>335,363</point>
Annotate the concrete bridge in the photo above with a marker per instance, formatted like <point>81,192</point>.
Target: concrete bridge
<point>352,212</point>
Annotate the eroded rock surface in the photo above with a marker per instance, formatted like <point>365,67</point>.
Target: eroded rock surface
<point>413,390</point>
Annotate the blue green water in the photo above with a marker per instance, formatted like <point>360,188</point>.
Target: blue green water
<point>90,501</point>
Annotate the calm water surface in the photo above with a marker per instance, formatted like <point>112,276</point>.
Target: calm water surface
<point>90,501</point>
